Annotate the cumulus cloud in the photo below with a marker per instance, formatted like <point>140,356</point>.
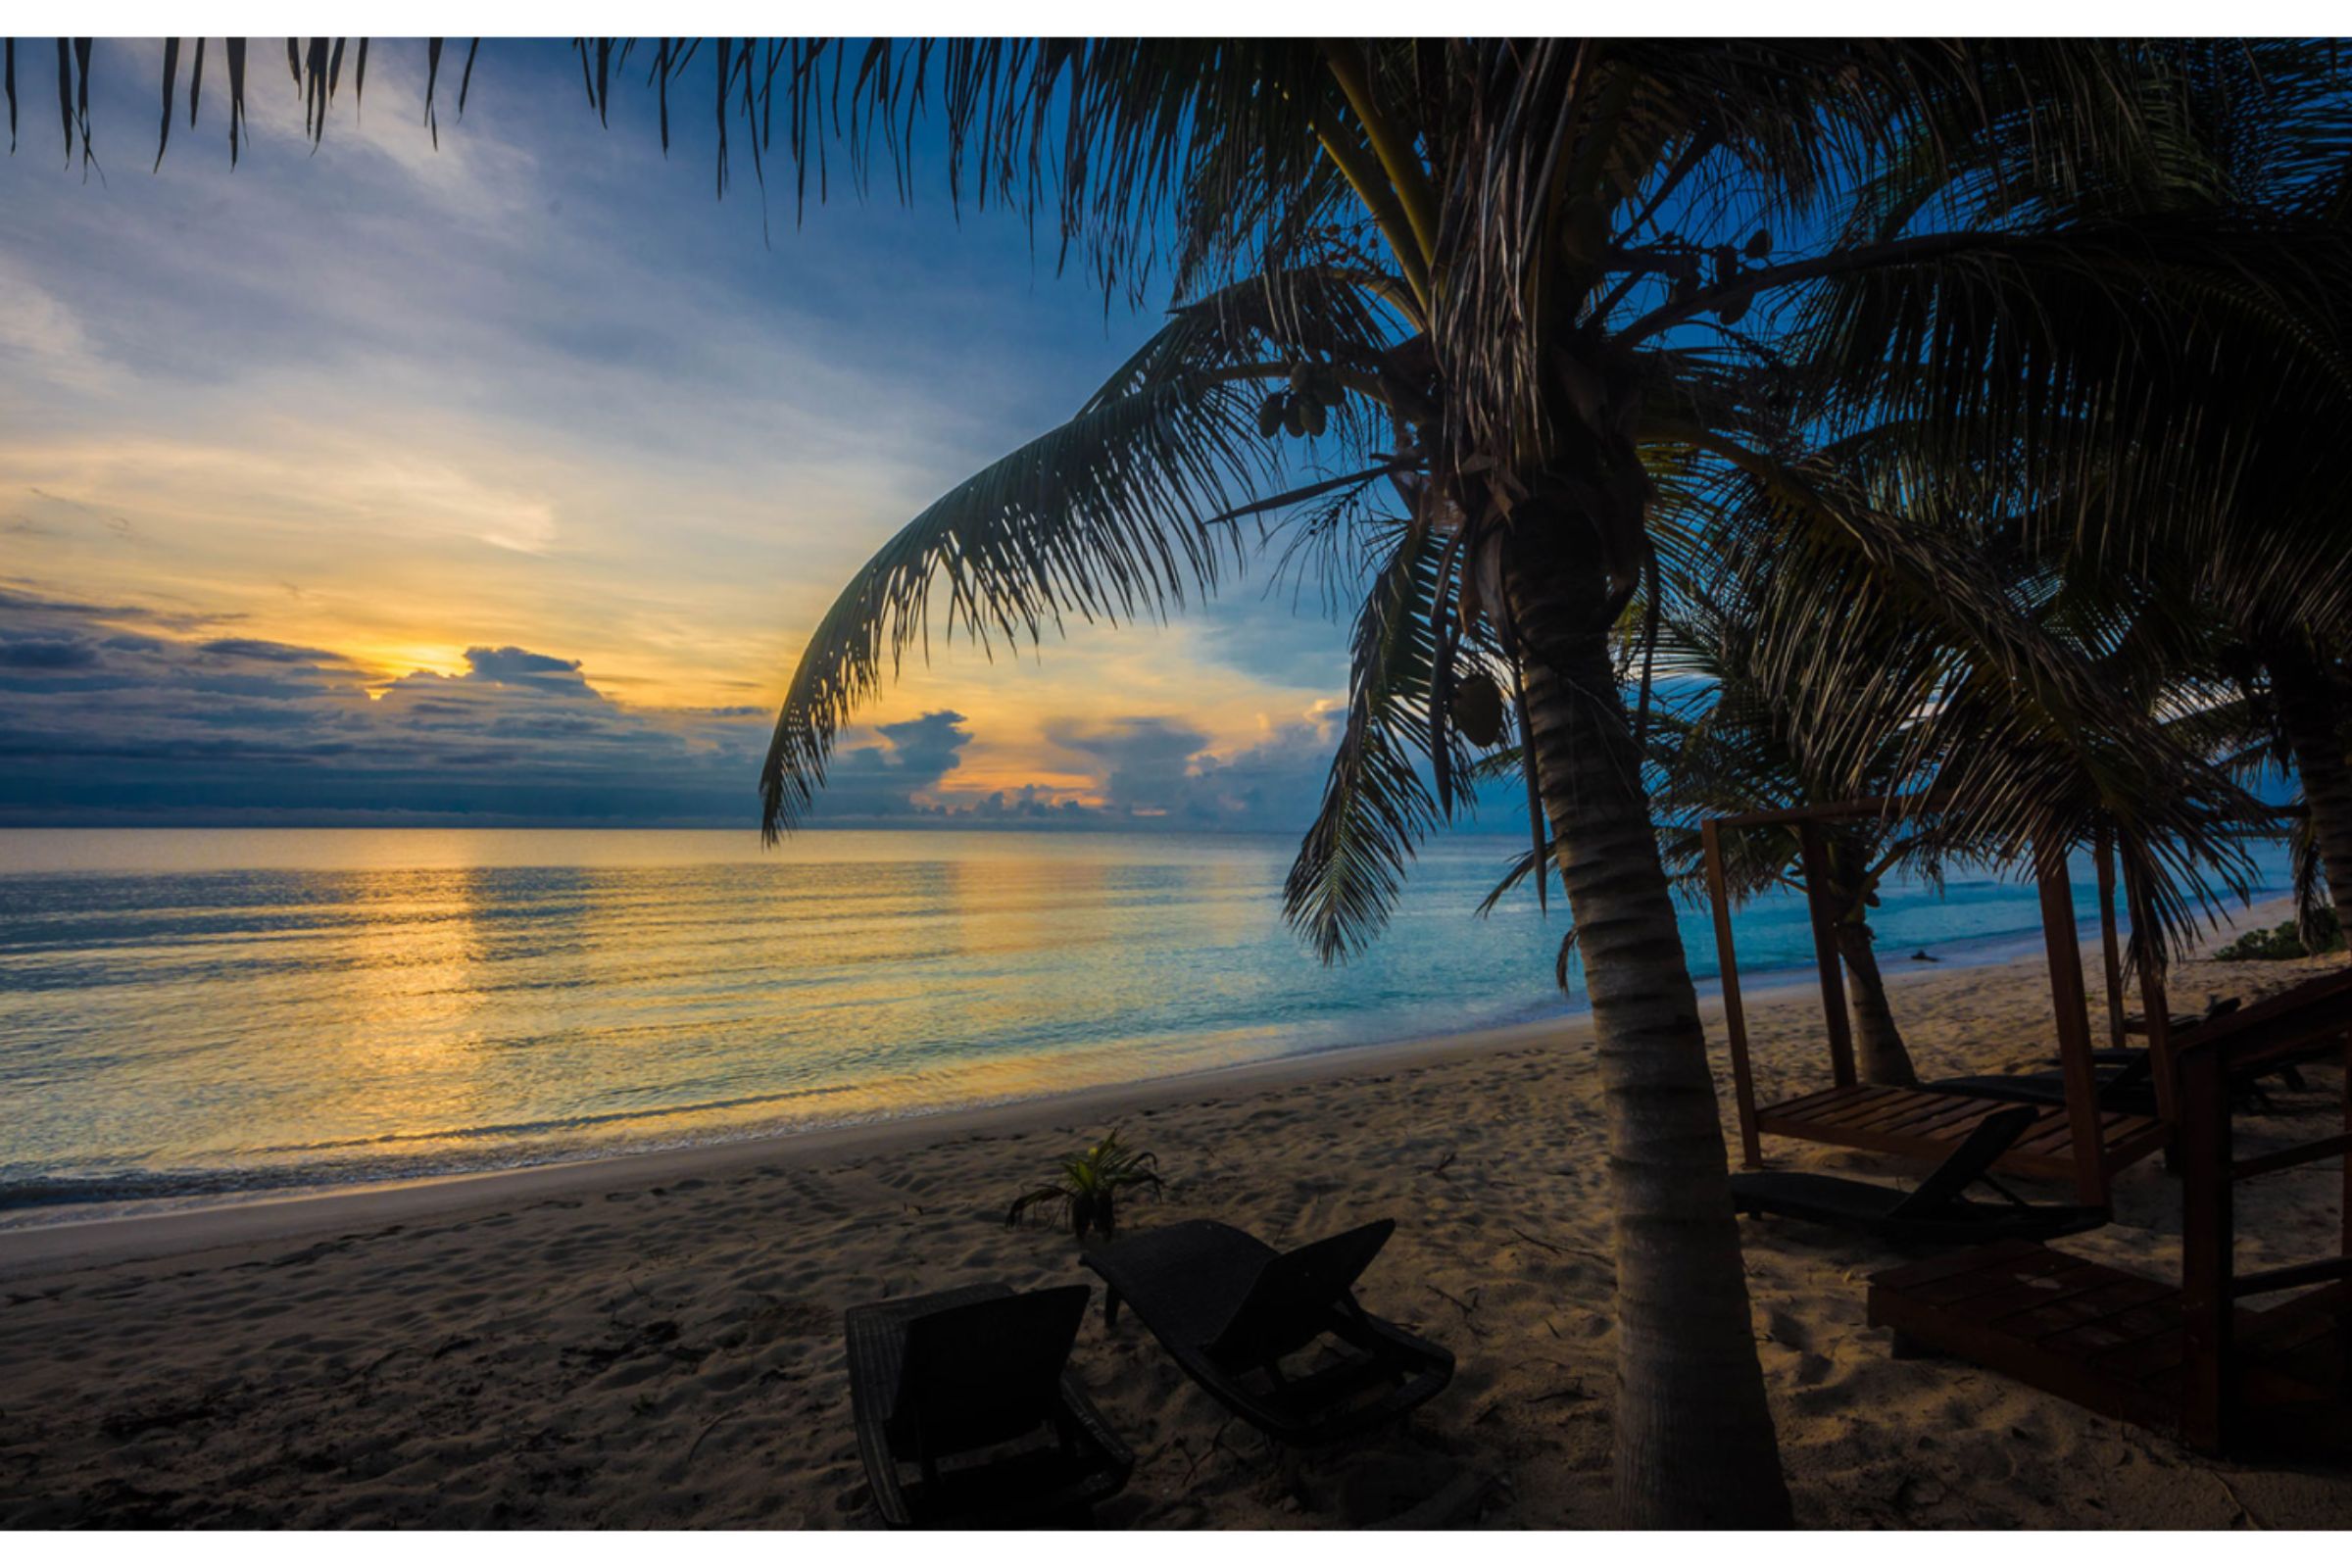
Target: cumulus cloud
<point>893,779</point>
<point>1144,762</point>
<point>1155,770</point>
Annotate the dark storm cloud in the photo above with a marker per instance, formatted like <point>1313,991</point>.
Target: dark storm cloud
<point>268,653</point>
<point>519,667</point>
<point>1144,763</point>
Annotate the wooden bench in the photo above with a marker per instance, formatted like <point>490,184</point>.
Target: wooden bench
<point>2115,1342</point>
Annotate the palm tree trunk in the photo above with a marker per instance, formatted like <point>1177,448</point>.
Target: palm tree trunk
<point>1878,1043</point>
<point>2313,723</point>
<point>1694,1442</point>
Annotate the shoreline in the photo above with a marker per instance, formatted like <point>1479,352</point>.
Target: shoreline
<point>211,1222</point>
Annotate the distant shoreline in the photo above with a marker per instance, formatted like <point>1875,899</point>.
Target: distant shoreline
<point>74,1241</point>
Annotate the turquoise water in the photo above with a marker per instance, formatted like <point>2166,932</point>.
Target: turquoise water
<point>230,1011</point>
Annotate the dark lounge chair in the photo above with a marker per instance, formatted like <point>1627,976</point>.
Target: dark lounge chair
<point>2219,1007</point>
<point>2125,1075</point>
<point>2128,1086</point>
<point>1232,1310</point>
<point>1935,1211</point>
<point>971,1389</point>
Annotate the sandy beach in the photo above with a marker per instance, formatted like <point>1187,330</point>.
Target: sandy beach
<point>656,1341</point>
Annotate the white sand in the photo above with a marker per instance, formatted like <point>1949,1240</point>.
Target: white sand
<point>657,1341</point>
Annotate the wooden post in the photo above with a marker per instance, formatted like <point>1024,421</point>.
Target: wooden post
<point>1815,852</point>
<point>1735,1015</point>
<point>2207,1262</point>
<point>2343,1216</point>
<point>2107,946</point>
<point>2162,1070</point>
<point>2073,1013</point>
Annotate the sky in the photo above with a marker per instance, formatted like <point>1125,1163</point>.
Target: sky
<point>504,482</point>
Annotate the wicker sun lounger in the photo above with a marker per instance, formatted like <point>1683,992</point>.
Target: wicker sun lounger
<point>1233,1311</point>
<point>968,1388</point>
<point>1935,1211</point>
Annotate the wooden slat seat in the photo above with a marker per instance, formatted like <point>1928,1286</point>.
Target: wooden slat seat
<point>1927,1124</point>
<point>2107,1339</point>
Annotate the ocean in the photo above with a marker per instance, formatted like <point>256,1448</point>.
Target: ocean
<point>187,1015</point>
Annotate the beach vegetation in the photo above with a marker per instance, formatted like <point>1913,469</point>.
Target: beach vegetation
<point>2287,939</point>
<point>1087,1193</point>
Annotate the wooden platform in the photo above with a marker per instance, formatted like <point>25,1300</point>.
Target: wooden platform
<point>2115,1342</point>
<point>1927,1124</point>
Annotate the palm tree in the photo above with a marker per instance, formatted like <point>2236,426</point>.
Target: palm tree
<point>1507,281</point>
<point>1731,750</point>
<point>2214,536</point>
<point>1529,303</point>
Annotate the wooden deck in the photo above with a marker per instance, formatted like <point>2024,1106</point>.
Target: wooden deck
<point>2117,1343</point>
<point>1927,1124</point>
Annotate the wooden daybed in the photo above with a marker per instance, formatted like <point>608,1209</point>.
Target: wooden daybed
<point>2080,1142</point>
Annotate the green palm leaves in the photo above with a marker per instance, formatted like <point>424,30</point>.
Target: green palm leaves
<point>1122,513</point>
<point>1106,519</point>
<point>1087,1193</point>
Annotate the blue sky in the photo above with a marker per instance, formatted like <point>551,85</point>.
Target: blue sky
<point>504,482</point>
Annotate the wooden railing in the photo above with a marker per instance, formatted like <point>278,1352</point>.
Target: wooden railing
<point>2213,1062</point>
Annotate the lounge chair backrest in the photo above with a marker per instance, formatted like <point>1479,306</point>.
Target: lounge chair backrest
<point>1292,1300</point>
<point>985,1372</point>
<point>1986,1143</point>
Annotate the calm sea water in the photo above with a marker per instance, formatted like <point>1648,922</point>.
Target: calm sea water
<point>191,1013</point>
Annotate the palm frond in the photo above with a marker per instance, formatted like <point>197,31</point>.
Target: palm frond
<point>1103,520</point>
<point>1377,805</point>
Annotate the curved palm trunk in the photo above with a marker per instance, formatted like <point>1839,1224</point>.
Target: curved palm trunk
<point>1878,1050</point>
<point>1694,1442</point>
<point>2313,723</point>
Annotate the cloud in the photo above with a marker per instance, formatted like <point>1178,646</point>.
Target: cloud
<point>101,719</point>
<point>42,338</point>
<point>268,653</point>
<point>1144,763</point>
<point>47,653</point>
<point>1154,770</point>
<point>521,668</point>
<point>893,779</point>
<point>130,712</point>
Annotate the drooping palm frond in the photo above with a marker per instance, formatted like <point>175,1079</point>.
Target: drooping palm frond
<point>1377,803</point>
<point>2095,363</point>
<point>1106,518</point>
<point>1121,513</point>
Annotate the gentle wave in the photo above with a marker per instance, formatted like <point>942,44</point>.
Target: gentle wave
<point>189,1015</point>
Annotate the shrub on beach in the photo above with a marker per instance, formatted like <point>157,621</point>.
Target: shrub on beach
<point>2287,942</point>
<point>1091,1182</point>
